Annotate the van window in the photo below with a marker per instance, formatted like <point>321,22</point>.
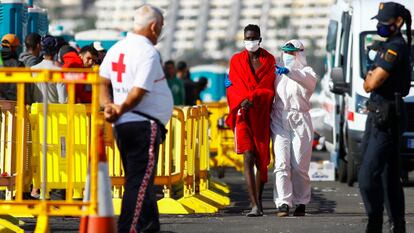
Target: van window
<point>345,43</point>
<point>331,37</point>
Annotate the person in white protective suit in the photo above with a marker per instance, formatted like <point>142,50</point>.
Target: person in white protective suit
<point>292,130</point>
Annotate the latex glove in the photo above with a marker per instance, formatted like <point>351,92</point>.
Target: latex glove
<point>281,70</point>
<point>227,82</point>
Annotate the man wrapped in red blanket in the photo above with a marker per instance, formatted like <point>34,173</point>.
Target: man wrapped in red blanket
<point>250,92</point>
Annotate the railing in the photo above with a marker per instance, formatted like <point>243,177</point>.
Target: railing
<point>52,147</point>
<point>19,177</point>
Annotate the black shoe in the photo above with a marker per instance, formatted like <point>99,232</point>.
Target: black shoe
<point>374,225</point>
<point>300,210</point>
<point>283,211</point>
<point>397,226</point>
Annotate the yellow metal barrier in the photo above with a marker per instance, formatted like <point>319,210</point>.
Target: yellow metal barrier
<point>44,208</point>
<point>170,167</point>
<point>205,181</point>
<point>8,149</point>
<point>57,155</point>
<point>216,111</point>
<point>222,141</point>
<point>184,157</point>
<point>191,197</point>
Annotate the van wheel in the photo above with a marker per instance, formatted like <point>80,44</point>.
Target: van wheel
<point>342,170</point>
<point>352,177</point>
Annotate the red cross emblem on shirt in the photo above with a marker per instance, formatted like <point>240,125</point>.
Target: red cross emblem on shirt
<point>119,67</point>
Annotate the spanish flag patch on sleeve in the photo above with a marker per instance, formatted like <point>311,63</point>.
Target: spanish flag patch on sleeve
<point>390,55</point>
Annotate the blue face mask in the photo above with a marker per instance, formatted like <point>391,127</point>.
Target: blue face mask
<point>385,30</point>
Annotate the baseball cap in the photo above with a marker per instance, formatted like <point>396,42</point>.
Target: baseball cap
<point>98,46</point>
<point>388,10</point>
<point>49,45</point>
<point>10,40</point>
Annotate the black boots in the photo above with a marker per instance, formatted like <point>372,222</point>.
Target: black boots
<point>283,211</point>
<point>300,210</point>
<point>397,226</point>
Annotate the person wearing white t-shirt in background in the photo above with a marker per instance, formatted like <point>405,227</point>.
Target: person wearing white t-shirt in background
<point>142,105</point>
<point>56,92</point>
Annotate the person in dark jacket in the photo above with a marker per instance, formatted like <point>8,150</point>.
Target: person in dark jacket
<point>189,85</point>
<point>31,56</point>
<point>9,43</point>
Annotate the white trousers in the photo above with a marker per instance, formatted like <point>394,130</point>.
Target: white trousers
<point>292,135</point>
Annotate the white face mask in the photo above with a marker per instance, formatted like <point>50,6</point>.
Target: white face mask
<point>372,54</point>
<point>251,45</point>
<point>288,59</point>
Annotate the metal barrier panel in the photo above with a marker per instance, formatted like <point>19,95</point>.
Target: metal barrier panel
<point>204,141</point>
<point>57,155</point>
<point>170,165</point>
<point>8,149</point>
<point>76,141</point>
<point>216,111</point>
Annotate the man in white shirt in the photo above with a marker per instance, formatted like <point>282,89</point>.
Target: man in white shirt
<point>142,106</point>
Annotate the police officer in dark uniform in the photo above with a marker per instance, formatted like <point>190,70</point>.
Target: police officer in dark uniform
<point>388,81</point>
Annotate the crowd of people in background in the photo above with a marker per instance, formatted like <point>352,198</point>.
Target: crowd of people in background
<point>47,52</point>
<point>50,52</point>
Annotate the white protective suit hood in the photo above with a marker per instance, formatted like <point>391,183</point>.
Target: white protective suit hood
<point>299,53</point>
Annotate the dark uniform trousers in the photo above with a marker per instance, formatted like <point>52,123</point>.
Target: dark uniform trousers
<point>138,143</point>
<point>379,175</point>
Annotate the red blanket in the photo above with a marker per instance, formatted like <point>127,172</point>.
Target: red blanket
<point>258,88</point>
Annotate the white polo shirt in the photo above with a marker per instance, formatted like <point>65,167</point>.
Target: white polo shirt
<point>134,62</point>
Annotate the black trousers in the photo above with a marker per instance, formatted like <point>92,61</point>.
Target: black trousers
<point>138,143</point>
<point>379,176</point>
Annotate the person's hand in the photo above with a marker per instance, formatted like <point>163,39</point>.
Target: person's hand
<point>112,112</point>
<point>281,70</point>
<point>246,104</point>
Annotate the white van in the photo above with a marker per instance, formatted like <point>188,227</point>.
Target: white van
<point>350,32</point>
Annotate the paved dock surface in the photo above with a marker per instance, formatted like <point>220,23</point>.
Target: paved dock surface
<point>334,208</point>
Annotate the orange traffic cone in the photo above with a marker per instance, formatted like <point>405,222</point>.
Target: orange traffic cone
<point>104,222</point>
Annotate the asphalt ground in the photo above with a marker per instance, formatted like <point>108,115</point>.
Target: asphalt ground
<point>334,207</point>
